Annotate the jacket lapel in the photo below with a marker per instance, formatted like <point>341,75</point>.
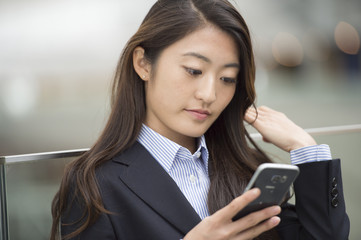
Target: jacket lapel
<point>148,180</point>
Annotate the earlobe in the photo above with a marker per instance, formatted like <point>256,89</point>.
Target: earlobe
<point>140,63</point>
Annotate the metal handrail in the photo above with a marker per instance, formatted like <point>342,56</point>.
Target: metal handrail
<point>78,152</point>
<point>42,156</point>
<point>322,131</point>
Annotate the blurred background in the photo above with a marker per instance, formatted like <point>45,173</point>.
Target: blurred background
<point>57,60</point>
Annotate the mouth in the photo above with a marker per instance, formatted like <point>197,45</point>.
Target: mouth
<point>199,114</point>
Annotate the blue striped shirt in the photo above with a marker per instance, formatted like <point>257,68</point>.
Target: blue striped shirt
<point>190,171</point>
<point>308,154</point>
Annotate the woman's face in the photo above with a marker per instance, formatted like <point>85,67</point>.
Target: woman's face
<point>192,82</point>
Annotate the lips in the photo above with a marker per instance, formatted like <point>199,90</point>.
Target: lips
<point>199,114</point>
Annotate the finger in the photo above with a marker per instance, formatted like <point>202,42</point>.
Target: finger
<point>251,109</point>
<point>229,211</point>
<point>259,229</point>
<point>250,119</point>
<point>253,219</point>
<point>250,115</point>
<point>265,109</point>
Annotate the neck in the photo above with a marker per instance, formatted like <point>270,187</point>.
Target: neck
<point>188,142</point>
<point>185,141</point>
<point>191,146</point>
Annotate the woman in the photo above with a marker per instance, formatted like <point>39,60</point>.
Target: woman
<point>174,158</point>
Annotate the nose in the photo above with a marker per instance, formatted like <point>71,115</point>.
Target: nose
<point>206,90</point>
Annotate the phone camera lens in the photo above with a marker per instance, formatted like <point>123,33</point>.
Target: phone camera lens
<point>276,178</point>
<point>283,179</point>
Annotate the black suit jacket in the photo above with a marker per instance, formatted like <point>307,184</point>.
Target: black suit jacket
<point>147,204</point>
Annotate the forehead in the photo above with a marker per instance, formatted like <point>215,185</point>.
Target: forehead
<point>209,41</point>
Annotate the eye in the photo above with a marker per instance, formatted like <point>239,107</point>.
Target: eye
<point>228,80</point>
<point>193,72</point>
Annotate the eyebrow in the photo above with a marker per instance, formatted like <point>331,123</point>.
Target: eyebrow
<point>205,59</point>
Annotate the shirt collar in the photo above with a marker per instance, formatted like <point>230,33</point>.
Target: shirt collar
<point>165,150</point>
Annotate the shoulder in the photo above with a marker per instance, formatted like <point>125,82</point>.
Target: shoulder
<point>122,164</point>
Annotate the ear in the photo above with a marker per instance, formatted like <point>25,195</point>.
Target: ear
<point>141,66</point>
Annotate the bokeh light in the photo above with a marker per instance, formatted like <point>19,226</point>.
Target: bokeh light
<point>20,95</point>
<point>287,50</point>
<point>347,38</point>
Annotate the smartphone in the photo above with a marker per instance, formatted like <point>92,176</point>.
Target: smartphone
<point>274,180</point>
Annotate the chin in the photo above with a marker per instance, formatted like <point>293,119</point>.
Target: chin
<point>194,129</point>
<point>196,133</point>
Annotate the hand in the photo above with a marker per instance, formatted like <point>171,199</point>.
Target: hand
<point>220,226</point>
<point>277,129</point>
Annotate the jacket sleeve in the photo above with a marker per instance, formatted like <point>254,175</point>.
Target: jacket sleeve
<point>320,211</point>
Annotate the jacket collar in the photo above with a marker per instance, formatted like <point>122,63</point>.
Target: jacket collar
<point>148,180</point>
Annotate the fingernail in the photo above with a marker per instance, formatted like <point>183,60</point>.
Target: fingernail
<point>275,221</point>
<point>276,210</point>
<point>255,191</point>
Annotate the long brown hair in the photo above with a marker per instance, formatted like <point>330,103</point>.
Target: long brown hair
<point>232,160</point>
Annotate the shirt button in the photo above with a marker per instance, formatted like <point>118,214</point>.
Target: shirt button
<point>198,154</point>
<point>193,178</point>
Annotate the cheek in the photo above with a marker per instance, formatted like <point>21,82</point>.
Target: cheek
<point>168,91</point>
<point>177,87</point>
<point>227,95</point>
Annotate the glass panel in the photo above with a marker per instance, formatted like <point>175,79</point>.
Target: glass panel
<point>347,147</point>
<point>3,214</point>
<point>31,187</point>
